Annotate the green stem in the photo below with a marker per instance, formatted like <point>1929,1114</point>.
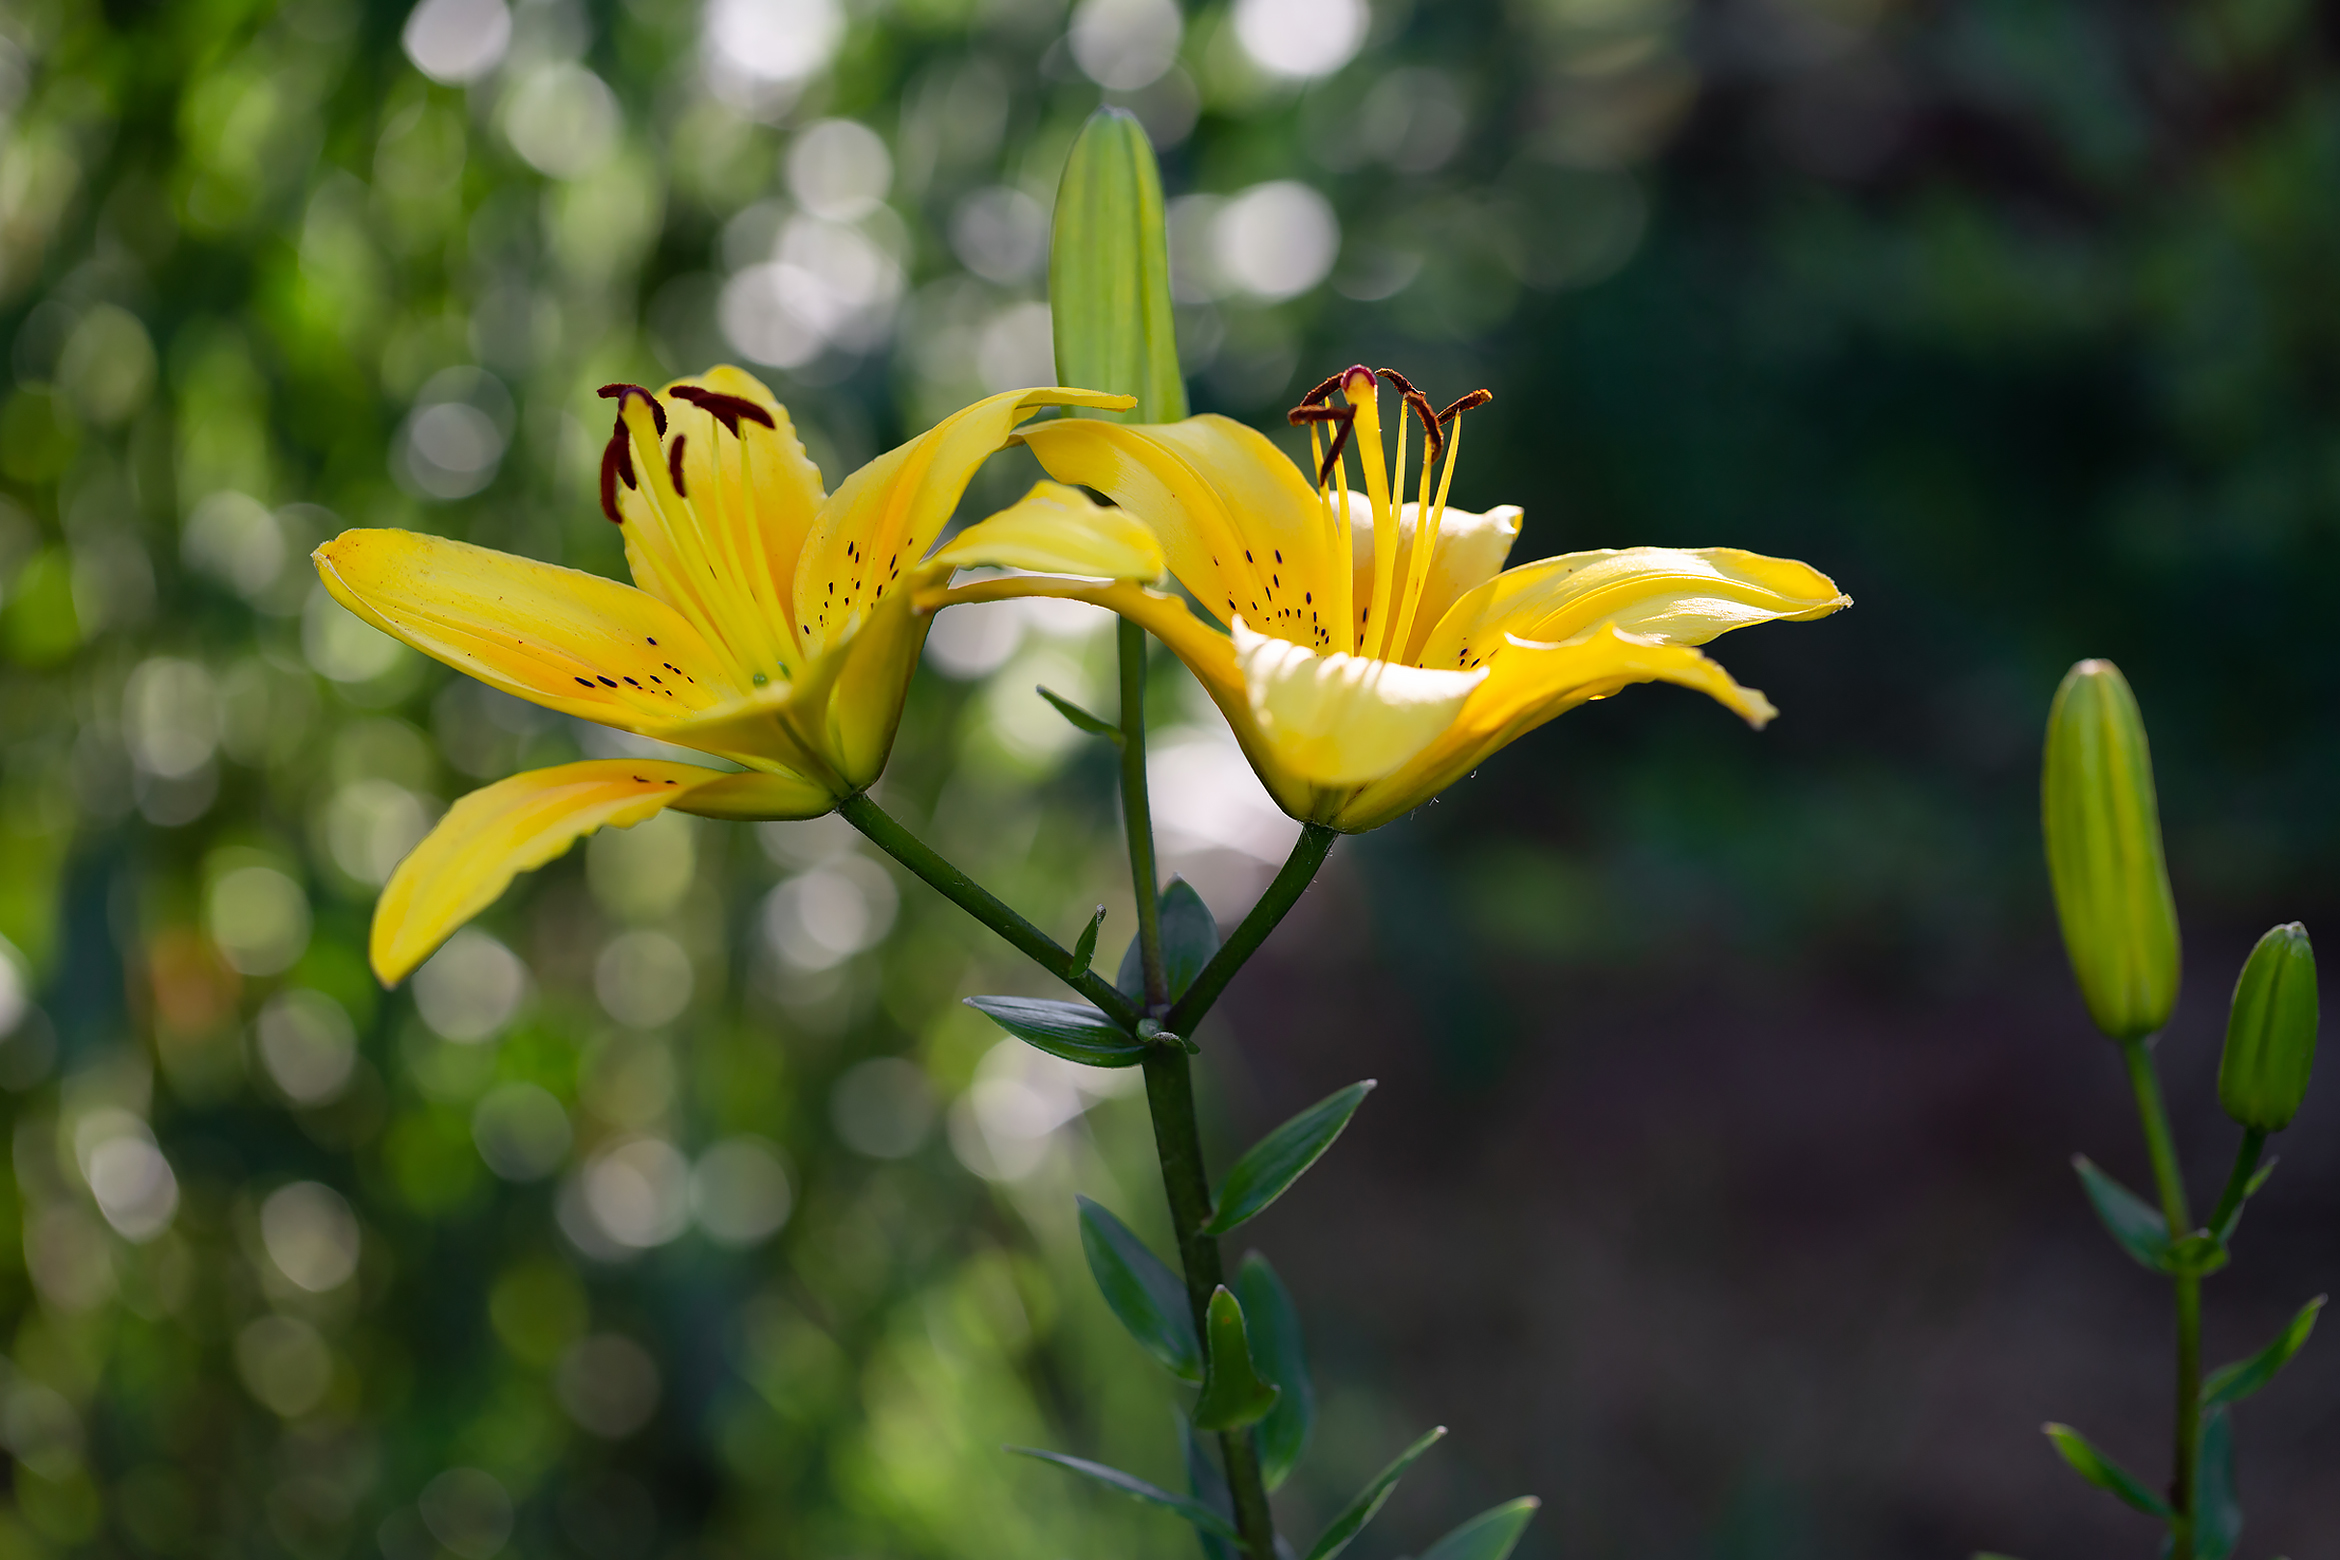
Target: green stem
<point>2188,1289</point>
<point>1291,881</point>
<point>2246,1165</point>
<point>912,852</point>
<point>1138,815</point>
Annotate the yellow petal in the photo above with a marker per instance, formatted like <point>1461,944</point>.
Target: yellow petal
<point>1335,720</point>
<point>882,519</point>
<point>521,823</point>
<point>1056,529</point>
<point>1471,548</point>
<point>563,638</point>
<point>1666,594</point>
<point>1241,525</point>
<point>1527,685</point>
<point>720,500</point>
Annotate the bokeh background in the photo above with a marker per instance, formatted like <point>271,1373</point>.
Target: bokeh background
<point>1716,1188</point>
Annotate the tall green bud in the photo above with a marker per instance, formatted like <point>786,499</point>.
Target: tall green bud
<point>2271,1032</point>
<point>2104,853</point>
<point>1109,272</point>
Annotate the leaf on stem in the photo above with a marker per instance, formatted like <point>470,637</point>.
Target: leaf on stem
<point>2103,1472</point>
<point>1149,1299</point>
<point>1276,1349</point>
<point>1273,1163</point>
<point>1360,1511</point>
<point>2217,1503</point>
<point>1190,935</point>
<point>1079,717</point>
<point>2233,1383</point>
<point>1137,1489</point>
<point>1073,1030</point>
<point>1233,1396</point>
<point>1208,1486</point>
<point>1488,1536</point>
<point>2132,1221</point>
<point>1085,950</point>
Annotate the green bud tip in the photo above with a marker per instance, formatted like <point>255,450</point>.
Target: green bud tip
<point>2103,829</point>
<point>2271,1032</point>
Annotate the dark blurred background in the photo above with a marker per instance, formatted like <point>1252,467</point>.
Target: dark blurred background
<point>1717,1187</point>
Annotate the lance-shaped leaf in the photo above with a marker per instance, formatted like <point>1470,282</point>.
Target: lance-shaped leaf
<point>2218,1515</point>
<point>1277,1160</point>
<point>1208,1486</point>
<point>1109,271</point>
<point>2233,1383</point>
<point>1141,1290</point>
<point>1491,1535</point>
<point>1086,948</point>
<point>1233,1395</point>
<point>1190,935</point>
<point>1276,1348</point>
<point>1081,718</point>
<point>1137,1489</point>
<point>1360,1511</point>
<point>1073,1030</point>
<point>2103,1472</point>
<point>2134,1222</point>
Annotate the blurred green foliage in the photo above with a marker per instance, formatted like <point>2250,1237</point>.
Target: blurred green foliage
<point>680,1206</point>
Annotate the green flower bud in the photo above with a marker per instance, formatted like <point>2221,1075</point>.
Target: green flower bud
<point>2104,856</point>
<point>1109,272</point>
<point>2271,1032</point>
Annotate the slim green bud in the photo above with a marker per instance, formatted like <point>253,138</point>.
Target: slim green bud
<point>2104,856</point>
<point>2271,1032</point>
<point>1109,272</point>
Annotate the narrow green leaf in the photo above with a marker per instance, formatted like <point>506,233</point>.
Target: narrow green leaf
<point>1488,1536</point>
<point>2133,1222</point>
<point>1276,1349</point>
<point>2233,1383</point>
<point>2217,1503</point>
<point>1360,1511</point>
<point>1109,272</point>
<point>1209,1486</point>
<point>1233,1395</point>
<point>1137,1489</point>
<point>2225,1231</point>
<point>1149,1299</point>
<point>1085,950</point>
<point>1273,1163</point>
<point>2103,1472</point>
<point>1081,718</point>
<point>1073,1030</point>
<point>1190,935</point>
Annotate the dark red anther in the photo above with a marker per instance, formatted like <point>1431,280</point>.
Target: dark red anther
<point>674,465</point>
<point>618,393</point>
<point>1468,403</point>
<point>615,463</point>
<point>725,409</point>
<point>1325,389</point>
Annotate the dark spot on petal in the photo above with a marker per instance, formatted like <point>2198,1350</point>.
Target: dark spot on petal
<point>584,682</point>
<point>605,682</point>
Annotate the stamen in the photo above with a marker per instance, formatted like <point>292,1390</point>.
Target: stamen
<point>725,409</point>
<point>674,466</point>
<point>619,393</point>
<point>1468,403</point>
<point>1346,416</point>
<point>617,461</point>
<point>1327,388</point>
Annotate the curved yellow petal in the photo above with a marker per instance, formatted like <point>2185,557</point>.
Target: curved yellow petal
<point>565,639</point>
<point>1056,529</point>
<point>1671,595</point>
<point>1469,552</point>
<point>1241,525</point>
<point>1527,685</point>
<point>883,518</point>
<point>754,796</point>
<point>521,823</point>
<point>1340,720</point>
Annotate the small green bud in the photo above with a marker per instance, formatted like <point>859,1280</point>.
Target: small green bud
<point>2104,855</point>
<point>1109,272</point>
<point>2271,1032</point>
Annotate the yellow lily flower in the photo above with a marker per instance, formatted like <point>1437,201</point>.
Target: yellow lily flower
<point>1362,671</point>
<point>770,624</point>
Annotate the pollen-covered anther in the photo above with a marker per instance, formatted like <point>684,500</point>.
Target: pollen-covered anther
<point>674,456</point>
<point>725,409</point>
<point>619,392</point>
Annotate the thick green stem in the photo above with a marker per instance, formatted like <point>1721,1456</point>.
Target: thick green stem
<point>1291,881</point>
<point>2238,1181</point>
<point>2188,1288</point>
<point>912,852</point>
<point>1137,815</point>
